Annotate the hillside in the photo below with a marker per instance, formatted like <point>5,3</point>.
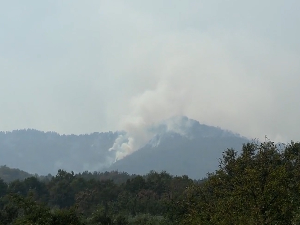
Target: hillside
<point>194,151</point>
<point>10,174</point>
<point>180,146</point>
<point>46,152</point>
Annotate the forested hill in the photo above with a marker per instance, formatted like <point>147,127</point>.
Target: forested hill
<point>46,152</point>
<point>10,174</point>
<point>191,149</point>
<point>180,146</point>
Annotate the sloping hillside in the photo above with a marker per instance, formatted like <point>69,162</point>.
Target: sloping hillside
<point>46,152</point>
<point>194,152</point>
<point>10,174</point>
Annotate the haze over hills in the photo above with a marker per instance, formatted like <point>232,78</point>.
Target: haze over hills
<point>190,148</point>
<point>45,152</point>
<point>181,146</point>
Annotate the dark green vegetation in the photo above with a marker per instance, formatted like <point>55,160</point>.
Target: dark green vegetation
<point>261,185</point>
<point>91,198</point>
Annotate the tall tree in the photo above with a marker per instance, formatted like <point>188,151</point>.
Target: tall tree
<point>258,186</point>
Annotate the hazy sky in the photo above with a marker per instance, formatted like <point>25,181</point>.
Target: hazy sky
<point>84,66</point>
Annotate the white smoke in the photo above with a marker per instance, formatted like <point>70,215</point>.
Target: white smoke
<point>139,132</point>
<point>220,82</point>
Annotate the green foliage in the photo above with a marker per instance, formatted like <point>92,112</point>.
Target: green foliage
<point>29,212</point>
<point>3,188</point>
<point>66,216</point>
<point>69,198</point>
<point>60,190</point>
<point>24,210</point>
<point>147,219</point>
<point>259,186</point>
<point>101,216</point>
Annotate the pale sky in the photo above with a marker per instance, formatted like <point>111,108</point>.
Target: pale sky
<point>86,66</point>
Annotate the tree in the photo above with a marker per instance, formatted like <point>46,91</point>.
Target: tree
<point>3,188</point>
<point>258,186</point>
<point>60,189</point>
<point>30,212</point>
<point>27,211</point>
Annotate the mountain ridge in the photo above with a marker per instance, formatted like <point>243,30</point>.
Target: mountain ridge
<point>193,151</point>
<point>45,152</point>
<point>175,145</point>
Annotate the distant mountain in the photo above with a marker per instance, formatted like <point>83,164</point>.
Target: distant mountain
<point>180,146</point>
<point>189,148</point>
<point>46,152</point>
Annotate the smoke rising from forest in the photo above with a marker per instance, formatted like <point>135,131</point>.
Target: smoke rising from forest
<point>225,83</point>
<point>75,67</point>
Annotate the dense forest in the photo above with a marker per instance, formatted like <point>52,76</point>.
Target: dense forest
<point>257,185</point>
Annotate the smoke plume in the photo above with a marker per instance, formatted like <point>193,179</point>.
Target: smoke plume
<point>217,82</point>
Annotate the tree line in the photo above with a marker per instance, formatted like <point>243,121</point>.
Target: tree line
<point>90,198</point>
<point>257,185</point>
